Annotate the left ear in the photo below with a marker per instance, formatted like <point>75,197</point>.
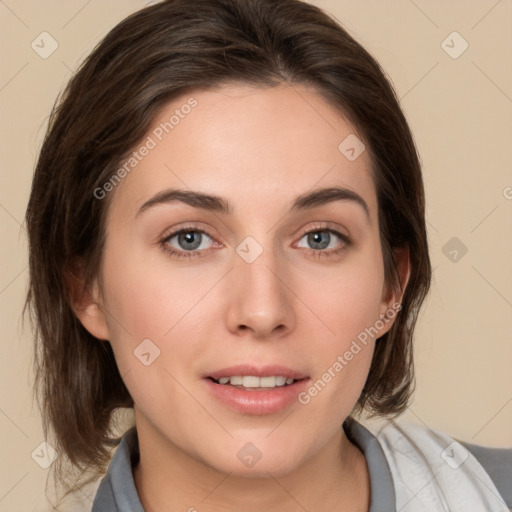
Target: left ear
<point>391,298</point>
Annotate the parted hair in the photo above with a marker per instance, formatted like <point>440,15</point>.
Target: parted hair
<point>151,57</point>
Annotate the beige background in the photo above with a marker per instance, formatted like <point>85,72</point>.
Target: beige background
<point>460,111</point>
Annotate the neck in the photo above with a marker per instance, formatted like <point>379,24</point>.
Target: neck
<point>167,478</point>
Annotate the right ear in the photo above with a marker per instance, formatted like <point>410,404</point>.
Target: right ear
<point>86,303</point>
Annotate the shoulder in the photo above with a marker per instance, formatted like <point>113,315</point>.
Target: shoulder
<point>431,468</point>
<point>497,462</point>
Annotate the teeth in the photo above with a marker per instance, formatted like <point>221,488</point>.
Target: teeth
<point>251,381</point>
<point>265,382</point>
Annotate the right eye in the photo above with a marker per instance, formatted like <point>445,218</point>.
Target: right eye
<point>186,242</point>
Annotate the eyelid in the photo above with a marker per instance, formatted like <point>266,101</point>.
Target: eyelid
<point>187,226</point>
<point>323,225</point>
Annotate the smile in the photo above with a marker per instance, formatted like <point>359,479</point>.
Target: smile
<point>256,390</point>
<point>254,382</point>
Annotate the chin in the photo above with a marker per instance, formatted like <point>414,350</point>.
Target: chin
<point>250,462</point>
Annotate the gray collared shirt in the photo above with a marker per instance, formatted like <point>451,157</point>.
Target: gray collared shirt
<point>117,491</point>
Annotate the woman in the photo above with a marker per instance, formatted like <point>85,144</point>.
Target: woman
<point>227,234</point>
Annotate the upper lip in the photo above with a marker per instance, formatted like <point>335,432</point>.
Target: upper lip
<point>257,371</point>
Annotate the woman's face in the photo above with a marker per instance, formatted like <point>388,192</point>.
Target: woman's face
<point>244,285</point>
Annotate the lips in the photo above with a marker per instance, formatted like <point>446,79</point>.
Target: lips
<point>257,371</point>
<point>256,401</point>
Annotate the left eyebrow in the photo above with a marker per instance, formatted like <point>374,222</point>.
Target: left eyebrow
<point>214,203</point>
<point>323,196</point>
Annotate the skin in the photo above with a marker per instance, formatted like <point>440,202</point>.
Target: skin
<point>259,149</point>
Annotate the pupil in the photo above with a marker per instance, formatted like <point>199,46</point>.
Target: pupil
<point>187,238</point>
<point>319,239</point>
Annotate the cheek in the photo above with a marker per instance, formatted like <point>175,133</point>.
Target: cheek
<point>349,310</point>
<point>148,298</point>
<point>346,298</point>
<point>149,294</point>
<point>342,355</point>
<point>346,305</point>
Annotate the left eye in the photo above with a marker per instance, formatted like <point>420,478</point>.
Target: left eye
<point>320,239</point>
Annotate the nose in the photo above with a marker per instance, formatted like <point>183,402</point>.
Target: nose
<point>260,299</point>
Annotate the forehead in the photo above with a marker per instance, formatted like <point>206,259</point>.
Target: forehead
<point>248,144</point>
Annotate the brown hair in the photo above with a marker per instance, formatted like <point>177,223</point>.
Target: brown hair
<point>147,60</point>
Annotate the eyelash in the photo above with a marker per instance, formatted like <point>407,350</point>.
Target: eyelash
<point>317,253</point>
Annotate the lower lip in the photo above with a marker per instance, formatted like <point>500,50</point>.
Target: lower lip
<point>257,401</point>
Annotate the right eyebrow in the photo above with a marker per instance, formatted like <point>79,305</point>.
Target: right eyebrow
<point>192,198</point>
